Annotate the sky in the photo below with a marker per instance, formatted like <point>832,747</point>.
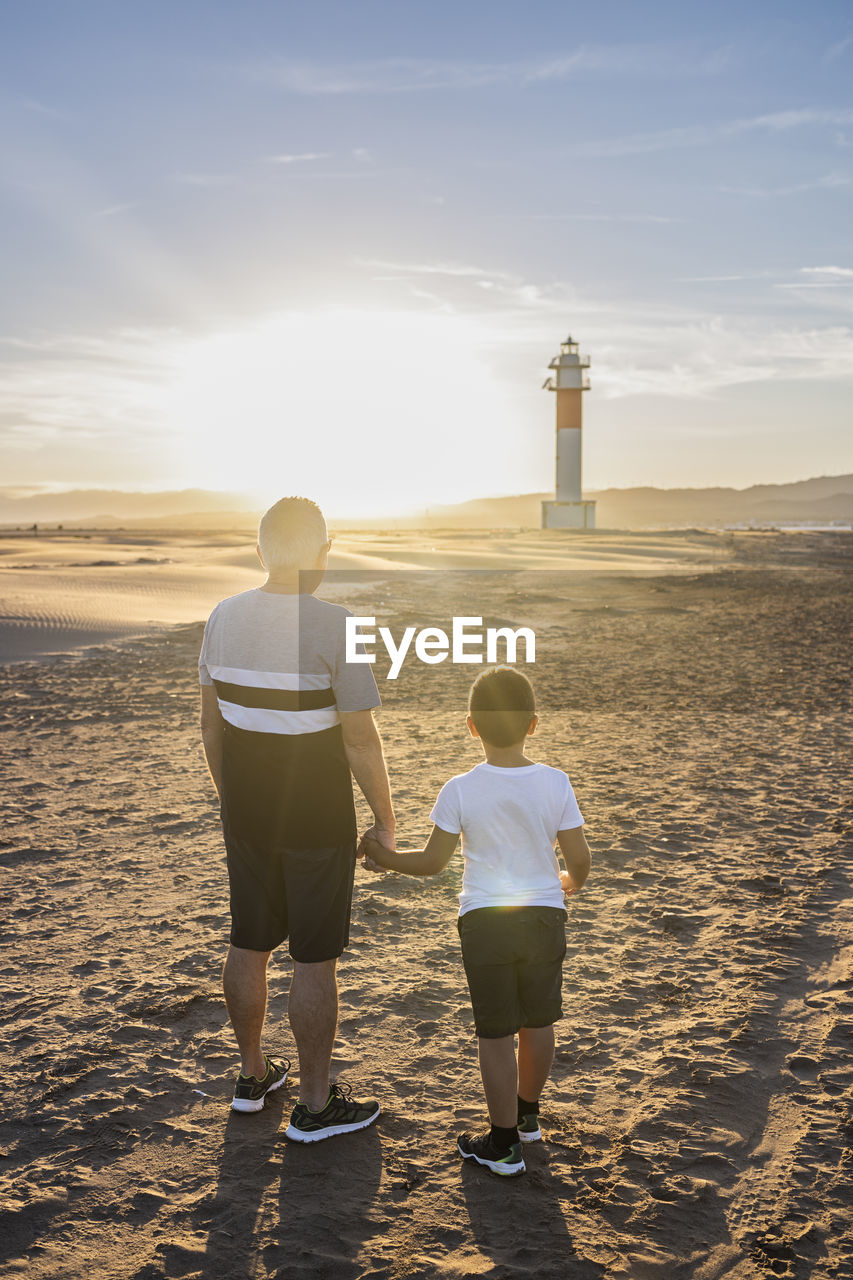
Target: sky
<point>330,248</point>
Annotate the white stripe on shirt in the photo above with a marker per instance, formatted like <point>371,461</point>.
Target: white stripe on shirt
<point>266,720</point>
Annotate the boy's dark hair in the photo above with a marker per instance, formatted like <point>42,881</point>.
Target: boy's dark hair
<point>502,705</point>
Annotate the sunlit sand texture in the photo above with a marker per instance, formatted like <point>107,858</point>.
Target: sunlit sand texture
<point>698,1120</point>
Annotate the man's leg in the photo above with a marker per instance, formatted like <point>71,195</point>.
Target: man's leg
<point>535,1055</point>
<point>499,1071</point>
<point>313,1012</point>
<point>244,980</point>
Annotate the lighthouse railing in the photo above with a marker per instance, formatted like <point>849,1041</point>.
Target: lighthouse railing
<point>559,362</point>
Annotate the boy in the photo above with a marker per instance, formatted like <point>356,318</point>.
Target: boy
<point>509,811</point>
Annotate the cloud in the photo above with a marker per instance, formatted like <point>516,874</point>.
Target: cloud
<point>651,218</point>
<point>829,182</point>
<point>205,179</point>
<point>112,209</point>
<point>408,75</point>
<point>63,388</point>
<point>815,284</point>
<point>845,272</point>
<point>104,400</point>
<point>642,59</point>
<point>836,50</point>
<point>750,275</point>
<point>706,135</point>
<point>43,109</point>
<point>671,350</point>
<point>702,357</point>
<point>298,157</point>
<point>432,269</point>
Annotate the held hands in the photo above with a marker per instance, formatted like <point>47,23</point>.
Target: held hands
<point>380,838</point>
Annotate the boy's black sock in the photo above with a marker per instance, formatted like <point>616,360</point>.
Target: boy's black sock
<point>503,1139</point>
<point>526,1108</point>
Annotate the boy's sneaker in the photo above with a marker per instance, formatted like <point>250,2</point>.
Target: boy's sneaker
<point>528,1128</point>
<point>507,1164</point>
<point>250,1092</point>
<point>340,1115</point>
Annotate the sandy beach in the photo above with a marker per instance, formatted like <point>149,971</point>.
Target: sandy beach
<point>695,686</point>
<point>61,590</point>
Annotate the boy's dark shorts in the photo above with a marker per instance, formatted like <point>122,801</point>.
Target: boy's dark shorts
<point>303,894</point>
<point>513,959</point>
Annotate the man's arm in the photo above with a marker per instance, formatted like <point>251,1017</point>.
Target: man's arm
<point>212,726</point>
<point>575,851</point>
<point>416,862</point>
<point>363,748</point>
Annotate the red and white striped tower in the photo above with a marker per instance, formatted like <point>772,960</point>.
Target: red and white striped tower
<point>568,510</point>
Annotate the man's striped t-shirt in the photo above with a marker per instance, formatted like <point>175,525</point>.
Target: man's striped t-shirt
<point>278,662</point>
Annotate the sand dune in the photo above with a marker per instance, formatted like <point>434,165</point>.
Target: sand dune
<point>61,590</point>
<point>699,1120</point>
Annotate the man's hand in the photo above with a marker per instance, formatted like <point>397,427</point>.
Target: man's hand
<point>364,850</point>
<point>382,835</point>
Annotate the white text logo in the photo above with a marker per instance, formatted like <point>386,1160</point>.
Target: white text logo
<point>433,645</point>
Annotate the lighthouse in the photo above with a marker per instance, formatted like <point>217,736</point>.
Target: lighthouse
<point>570,380</point>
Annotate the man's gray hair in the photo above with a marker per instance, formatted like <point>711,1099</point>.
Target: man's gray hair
<point>292,534</point>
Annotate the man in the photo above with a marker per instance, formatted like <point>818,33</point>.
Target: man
<point>286,722</point>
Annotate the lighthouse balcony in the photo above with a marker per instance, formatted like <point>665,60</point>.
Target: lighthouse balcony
<point>569,362</point>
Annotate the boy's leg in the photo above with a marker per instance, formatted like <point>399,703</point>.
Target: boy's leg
<point>535,1056</point>
<point>540,995</point>
<point>499,1072</point>
<point>500,1149</point>
<point>488,954</point>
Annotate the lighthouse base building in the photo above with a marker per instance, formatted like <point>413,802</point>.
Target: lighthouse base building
<point>568,509</point>
<point>568,515</point>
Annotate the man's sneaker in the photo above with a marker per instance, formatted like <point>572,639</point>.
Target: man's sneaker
<point>508,1164</point>
<point>250,1092</point>
<point>528,1128</point>
<point>340,1115</point>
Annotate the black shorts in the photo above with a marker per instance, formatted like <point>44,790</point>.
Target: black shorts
<point>513,959</point>
<point>303,894</point>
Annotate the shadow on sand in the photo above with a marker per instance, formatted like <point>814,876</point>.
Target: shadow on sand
<point>252,1218</point>
<point>519,1222</point>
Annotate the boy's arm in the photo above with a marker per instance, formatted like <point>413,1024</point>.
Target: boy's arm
<point>575,851</point>
<point>417,862</point>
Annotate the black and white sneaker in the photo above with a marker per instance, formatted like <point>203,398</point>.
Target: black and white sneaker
<point>528,1127</point>
<point>507,1164</point>
<point>250,1092</point>
<point>340,1115</point>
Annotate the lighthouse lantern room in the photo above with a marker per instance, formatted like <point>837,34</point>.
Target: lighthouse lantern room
<point>568,510</point>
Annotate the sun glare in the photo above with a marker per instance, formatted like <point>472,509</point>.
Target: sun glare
<point>367,409</point>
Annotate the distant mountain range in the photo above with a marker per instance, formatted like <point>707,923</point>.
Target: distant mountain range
<point>827,499</point>
<point>106,508</point>
<point>824,500</point>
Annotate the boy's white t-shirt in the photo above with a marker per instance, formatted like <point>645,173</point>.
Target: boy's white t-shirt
<point>509,819</point>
